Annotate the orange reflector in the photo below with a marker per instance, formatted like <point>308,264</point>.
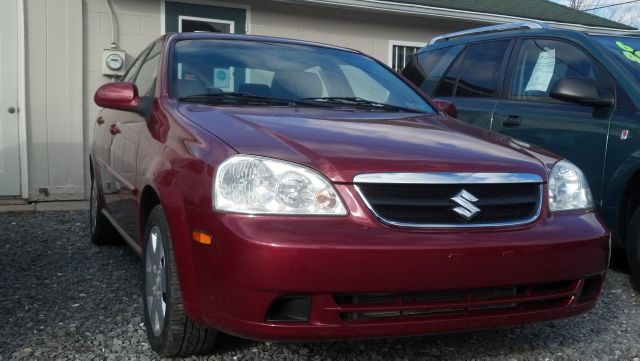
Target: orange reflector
<point>201,237</point>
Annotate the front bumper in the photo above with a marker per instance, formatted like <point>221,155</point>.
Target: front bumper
<point>554,267</point>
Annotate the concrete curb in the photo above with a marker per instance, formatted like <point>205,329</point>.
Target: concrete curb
<point>45,206</point>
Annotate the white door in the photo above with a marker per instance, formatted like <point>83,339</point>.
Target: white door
<point>9,140</point>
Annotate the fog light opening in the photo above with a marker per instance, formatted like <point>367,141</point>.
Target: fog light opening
<point>591,288</point>
<point>290,309</point>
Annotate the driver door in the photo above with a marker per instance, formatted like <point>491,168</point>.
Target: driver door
<point>574,131</point>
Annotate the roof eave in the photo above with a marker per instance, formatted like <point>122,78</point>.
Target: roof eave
<point>446,13</point>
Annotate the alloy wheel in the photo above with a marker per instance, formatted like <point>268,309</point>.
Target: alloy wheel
<point>156,280</point>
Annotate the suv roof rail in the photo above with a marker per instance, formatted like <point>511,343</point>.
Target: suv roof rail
<point>533,24</point>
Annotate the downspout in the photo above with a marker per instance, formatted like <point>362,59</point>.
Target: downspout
<point>114,25</point>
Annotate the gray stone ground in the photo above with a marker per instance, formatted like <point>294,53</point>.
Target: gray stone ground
<point>62,298</point>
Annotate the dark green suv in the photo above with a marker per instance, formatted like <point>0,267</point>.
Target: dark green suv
<point>573,93</point>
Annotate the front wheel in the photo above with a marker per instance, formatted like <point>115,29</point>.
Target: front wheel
<point>170,331</point>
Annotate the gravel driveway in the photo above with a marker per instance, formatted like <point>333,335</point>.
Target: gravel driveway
<point>63,298</point>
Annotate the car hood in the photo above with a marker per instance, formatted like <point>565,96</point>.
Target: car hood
<point>343,143</point>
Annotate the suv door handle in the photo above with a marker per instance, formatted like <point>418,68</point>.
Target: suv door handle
<point>511,121</point>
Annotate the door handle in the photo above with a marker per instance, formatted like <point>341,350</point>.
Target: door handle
<point>11,110</point>
<point>511,121</point>
<point>114,129</point>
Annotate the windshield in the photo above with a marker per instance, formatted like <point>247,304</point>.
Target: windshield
<point>237,72</point>
<point>626,49</point>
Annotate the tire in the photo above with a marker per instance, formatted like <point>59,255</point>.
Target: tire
<point>101,230</point>
<point>633,245</point>
<point>170,331</point>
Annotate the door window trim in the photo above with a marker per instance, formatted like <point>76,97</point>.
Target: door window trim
<point>246,8</point>
<point>509,74</point>
<point>232,24</point>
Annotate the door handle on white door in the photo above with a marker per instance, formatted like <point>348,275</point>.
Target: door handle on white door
<point>11,110</point>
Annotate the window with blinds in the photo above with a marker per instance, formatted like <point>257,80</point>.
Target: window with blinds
<point>401,54</point>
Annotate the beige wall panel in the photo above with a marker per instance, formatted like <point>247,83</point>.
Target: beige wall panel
<point>54,91</point>
<point>369,32</point>
<point>36,92</point>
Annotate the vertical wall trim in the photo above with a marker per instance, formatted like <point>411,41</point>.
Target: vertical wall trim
<point>162,17</point>
<point>22,102</point>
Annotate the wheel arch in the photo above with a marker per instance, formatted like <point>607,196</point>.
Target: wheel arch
<point>166,194</point>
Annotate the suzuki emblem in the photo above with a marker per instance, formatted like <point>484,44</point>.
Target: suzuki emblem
<point>467,209</point>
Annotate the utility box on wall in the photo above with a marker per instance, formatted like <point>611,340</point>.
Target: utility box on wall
<point>113,62</point>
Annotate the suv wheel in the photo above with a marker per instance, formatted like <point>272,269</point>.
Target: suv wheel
<point>633,245</point>
<point>170,331</point>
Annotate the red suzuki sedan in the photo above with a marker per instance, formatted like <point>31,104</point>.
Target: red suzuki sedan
<point>285,190</point>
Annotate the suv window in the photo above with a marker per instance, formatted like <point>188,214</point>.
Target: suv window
<point>542,62</point>
<point>146,79</point>
<point>475,73</point>
<point>430,67</point>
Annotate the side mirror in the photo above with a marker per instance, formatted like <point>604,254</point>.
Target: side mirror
<point>580,90</point>
<point>446,107</point>
<point>119,96</point>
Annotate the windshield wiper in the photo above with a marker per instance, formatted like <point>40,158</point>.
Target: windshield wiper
<point>357,101</point>
<point>223,97</point>
<point>235,97</point>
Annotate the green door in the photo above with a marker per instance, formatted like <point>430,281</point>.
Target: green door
<point>186,17</point>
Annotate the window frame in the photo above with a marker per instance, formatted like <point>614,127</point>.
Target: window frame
<point>146,58</point>
<point>509,76</point>
<point>232,24</point>
<point>137,61</point>
<point>394,43</point>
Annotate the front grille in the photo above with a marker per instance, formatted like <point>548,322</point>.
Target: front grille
<point>367,306</point>
<point>432,204</point>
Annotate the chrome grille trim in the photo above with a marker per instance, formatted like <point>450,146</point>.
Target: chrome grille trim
<point>450,178</point>
<point>447,178</point>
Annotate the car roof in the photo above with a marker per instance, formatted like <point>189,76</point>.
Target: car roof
<point>256,38</point>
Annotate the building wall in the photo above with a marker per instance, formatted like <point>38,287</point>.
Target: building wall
<point>139,24</point>
<point>368,32</point>
<point>71,34</point>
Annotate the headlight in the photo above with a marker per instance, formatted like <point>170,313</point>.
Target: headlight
<point>568,188</point>
<point>257,185</point>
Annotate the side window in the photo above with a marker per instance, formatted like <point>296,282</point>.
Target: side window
<point>146,79</point>
<point>447,85</point>
<point>542,62</point>
<point>475,74</point>
<point>433,64</point>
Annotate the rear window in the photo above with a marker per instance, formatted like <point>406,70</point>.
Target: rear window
<point>427,68</point>
<point>475,74</point>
